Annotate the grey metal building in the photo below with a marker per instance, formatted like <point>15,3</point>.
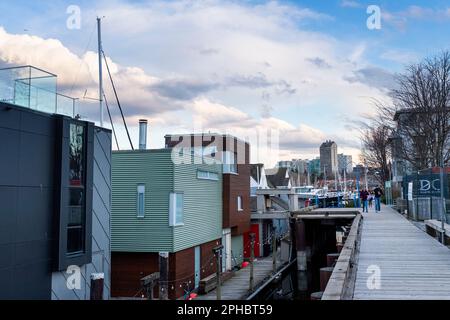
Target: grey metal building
<point>55,192</point>
<point>328,158</point>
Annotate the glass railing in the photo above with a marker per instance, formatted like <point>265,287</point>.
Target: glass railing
<point>34,88</point>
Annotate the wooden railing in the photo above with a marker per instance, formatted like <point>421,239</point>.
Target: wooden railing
<point>342,280</point>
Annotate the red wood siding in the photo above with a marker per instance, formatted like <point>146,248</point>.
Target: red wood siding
<point>128,268</point>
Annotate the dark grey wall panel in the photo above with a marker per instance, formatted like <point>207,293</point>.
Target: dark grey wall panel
<point>34,223</point>
<point>6,256</point>
<point>31,252</point>
<point>27,150</point>
<point>36,160</point>
<point>7,284</point>
<point>32,281</point>
<point>8,215</point>
<point>9,157</point>
<point>9,119</point>
<point>36,123</point>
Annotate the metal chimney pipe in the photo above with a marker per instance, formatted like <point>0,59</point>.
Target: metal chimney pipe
<point>142,134</point>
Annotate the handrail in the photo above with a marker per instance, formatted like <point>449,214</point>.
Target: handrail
<point>340,286</point>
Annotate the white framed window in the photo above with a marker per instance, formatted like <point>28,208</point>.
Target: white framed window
<point>176,209</point>
<point>239,204</point>
<point>207,175</point>
<point>141,201</point>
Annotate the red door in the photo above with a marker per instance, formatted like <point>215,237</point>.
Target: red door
<point>254,228</point>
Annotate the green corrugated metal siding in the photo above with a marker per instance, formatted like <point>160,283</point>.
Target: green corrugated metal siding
<point>202,205</point>
<point>152,233</point>
<point>155,169</point>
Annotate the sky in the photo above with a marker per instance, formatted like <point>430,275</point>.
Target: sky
<point>301,72</point>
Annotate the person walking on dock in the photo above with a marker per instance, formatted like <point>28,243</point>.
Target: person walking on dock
<point>370,199</point>
<point>378,193</point>
<point>364,196</point>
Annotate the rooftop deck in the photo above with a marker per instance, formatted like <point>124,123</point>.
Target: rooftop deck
<point>36,89</point>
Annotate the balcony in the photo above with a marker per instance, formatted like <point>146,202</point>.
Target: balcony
<point>36,89</point>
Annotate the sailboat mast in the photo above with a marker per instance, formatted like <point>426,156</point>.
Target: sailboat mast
<point>100,70</point>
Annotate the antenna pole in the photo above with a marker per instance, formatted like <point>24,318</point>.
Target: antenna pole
<point>100,69</point>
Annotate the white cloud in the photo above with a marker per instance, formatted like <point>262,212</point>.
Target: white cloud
<point>49,54</point>
<point>77,75</point>
<point>350,4</point>
<point>399,56</point>
<point>400,19</point>
<point>222,63</point>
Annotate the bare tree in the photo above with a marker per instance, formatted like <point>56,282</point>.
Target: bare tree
<point>422,105</point>
<point>376,148</point>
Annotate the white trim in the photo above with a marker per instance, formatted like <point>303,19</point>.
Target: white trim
<point>172,209</point>
<point>239,203</point>
<point>140,191</point>
<point>213,176</point>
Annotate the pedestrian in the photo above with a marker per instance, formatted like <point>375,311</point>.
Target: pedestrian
<point>370,199</point>
<point>378,193</point>
<point>364,195</point>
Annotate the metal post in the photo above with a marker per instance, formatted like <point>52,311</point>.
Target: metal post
<point>100,69</point>
<point>218,253</point>
<point>365,171</point>
<point>345,181</point>
<point>335,181</point>
<point>357,189</point>
<point>443,210</point>
<point>252,257</point>
<point>274,250</point>
<point>164,275</point>
<point>97,281</point>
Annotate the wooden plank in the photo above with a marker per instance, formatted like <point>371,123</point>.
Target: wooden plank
<point>412,265</point>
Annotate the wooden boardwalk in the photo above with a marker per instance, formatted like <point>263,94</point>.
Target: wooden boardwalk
<point>411,264</point>
<point>237,287</point>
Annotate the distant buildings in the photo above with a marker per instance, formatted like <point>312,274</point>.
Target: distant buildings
<point>314,167</point>
<point>300,166</point>
<point>359,170</point>
<point>328,158</point>
<point>285,164</point>
<point>345,163</point>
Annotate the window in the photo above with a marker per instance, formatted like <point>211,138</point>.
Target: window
<point>229,162</point>
<point>76,205</point>
<point>141,201</point>
<point>176,209</point>
<point>239,203</point>
<point>73,183</point>
<point>207,175</point>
